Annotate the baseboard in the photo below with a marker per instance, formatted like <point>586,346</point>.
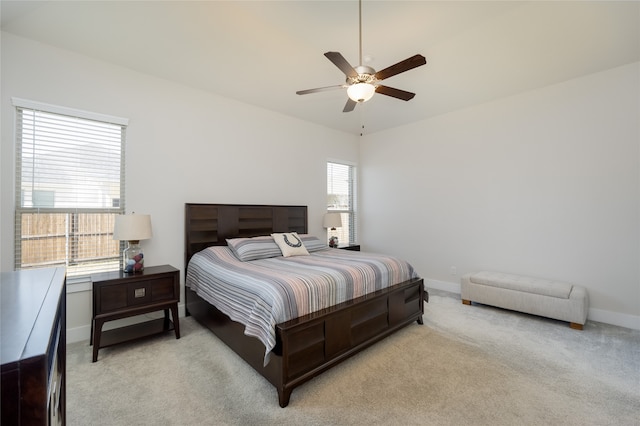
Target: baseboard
<point>78,334</point>
<point>599,315</point>
<point>614,318</point>
<point>442,285</point>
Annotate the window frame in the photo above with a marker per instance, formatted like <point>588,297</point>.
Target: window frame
<point>351,211</point>
<point>72,216</point>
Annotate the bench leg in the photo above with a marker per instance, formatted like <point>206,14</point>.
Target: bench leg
<point>466,302</point>
<point>575,326</point>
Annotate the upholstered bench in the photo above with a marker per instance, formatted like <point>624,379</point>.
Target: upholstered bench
<point>537,296</point>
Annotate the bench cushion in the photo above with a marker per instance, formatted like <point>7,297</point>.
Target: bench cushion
<point>521,283</point>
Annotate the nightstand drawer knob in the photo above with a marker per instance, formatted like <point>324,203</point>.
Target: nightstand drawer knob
<point>139,292</point>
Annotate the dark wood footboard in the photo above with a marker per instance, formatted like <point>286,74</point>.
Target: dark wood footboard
<point>309,345</point>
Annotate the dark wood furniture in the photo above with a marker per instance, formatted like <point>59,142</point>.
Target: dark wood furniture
<point>305,346</point>
<point>119,295</point>
<point>33,346</point>
<point>352,247</point>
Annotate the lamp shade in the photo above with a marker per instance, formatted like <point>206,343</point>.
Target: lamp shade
<point>332,220</point>
<point>361,92</point>
<point>132,227</point>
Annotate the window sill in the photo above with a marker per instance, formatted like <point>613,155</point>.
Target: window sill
<point>78,284</point>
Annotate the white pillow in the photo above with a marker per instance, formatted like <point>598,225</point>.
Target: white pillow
<point>290,244</point>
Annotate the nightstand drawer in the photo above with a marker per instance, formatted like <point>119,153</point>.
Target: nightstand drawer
<point>119,296</point>
<point>112,297</point>
<point>116,291</point>
<point>140,292</point>
<point>164,289</point>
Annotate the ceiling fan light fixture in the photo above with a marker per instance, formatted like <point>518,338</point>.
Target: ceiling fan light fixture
<point>363,81</point>
<point>361,92</point>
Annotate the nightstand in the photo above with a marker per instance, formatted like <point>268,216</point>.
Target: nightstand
<point>352,247</point>
<point>118,295</point>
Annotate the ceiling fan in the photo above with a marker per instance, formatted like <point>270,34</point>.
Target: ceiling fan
<point>363,81</point>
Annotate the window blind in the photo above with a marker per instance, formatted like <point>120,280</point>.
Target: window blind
<point>341,196</point>
<point>69,188</point>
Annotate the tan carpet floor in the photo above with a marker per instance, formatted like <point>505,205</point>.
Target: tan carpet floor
<point>466,365</point>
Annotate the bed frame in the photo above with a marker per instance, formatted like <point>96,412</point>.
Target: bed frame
<point>305,346</point>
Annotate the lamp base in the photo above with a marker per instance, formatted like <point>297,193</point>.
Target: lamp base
<point>132,258</point>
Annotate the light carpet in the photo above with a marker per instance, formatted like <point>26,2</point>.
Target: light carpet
<point>466,365</point>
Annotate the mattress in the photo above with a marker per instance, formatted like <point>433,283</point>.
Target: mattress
<point>262,293</point>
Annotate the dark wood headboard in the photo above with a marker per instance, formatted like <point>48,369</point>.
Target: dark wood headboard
<point>211,224</point>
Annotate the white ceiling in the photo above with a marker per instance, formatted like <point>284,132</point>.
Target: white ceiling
<point>262,52</point>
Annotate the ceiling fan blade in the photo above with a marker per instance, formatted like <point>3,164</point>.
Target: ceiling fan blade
<point>395,93</point>
<point>340,62</point>
<point>320,89</point>
<point>402,66</point>
<point>350,105</point>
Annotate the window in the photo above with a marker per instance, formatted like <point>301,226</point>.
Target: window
<point>69,188</point>
<point>341,197</point>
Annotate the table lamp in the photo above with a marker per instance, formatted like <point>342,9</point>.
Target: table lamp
<point>332,221</point>
<point>132,228</point>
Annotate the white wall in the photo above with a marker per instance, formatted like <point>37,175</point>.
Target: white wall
<point>183,145</point>
<point>546,183</point>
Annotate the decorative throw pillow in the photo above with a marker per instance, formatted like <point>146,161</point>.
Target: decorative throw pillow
<point>290,244</point>
<point>254,248</point>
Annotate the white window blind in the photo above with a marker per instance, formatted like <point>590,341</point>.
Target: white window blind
<point>69,187</point>
<point>341,196</point>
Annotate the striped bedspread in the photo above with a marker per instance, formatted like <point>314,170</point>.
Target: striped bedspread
<point>262,293</point>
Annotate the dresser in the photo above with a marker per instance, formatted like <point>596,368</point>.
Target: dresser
<point>33,353</point>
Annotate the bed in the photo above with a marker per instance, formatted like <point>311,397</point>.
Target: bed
<point>306,345</point>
